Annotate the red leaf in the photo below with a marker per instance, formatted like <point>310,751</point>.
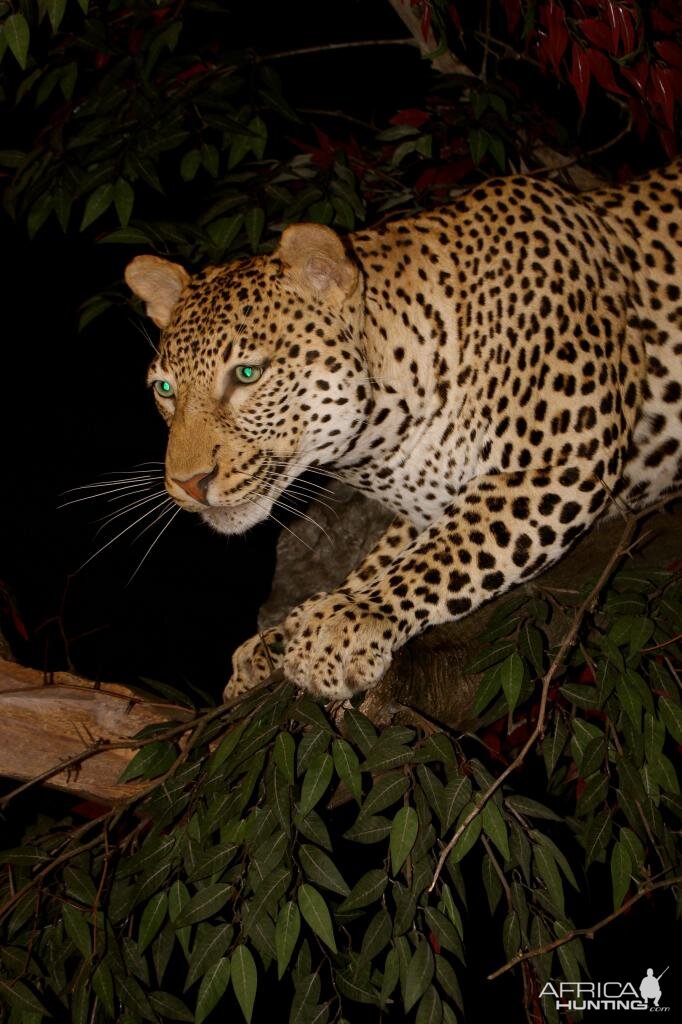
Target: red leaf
<point>101,60</point>
<point>637,75</point>
<point>626,29</point>
<point>586,675</point>
<point>670,52</point>
<point>192,72</point>
<point>579,787</point>
<point>611,13</point>
<point>602,69</point>
<point>454,16</point>
<point>443,177</point>
<point>426,21</point>
<point>412,116</point>
<point>579,76</point>
<point>557,33</point>
<point>597,32</point>
<point>435,944</point>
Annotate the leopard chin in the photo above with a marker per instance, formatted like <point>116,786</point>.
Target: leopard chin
<point>237,518</point>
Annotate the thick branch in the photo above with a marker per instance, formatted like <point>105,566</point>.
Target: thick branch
<point>441,58</point>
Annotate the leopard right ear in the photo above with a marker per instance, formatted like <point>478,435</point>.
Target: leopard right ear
<point>158,283</point>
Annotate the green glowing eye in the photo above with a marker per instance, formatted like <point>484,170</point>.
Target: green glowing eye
<point>163,388</point>
<point>248,374</point>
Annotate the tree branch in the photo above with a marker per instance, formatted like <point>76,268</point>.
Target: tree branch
<point>586,933</point>
<point>441,58</point>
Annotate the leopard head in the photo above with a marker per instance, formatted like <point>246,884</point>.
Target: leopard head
<point>260,372</point>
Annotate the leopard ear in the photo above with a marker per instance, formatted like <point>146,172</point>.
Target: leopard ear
<point>313,259</point>
<point>158,283</point>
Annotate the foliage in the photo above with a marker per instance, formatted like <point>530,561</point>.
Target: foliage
<point>156,125</point>
<point>280,853</point>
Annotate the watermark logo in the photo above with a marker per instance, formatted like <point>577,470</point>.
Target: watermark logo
<point>608,995</point>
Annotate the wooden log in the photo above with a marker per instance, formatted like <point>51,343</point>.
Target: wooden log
<point>44,721</point>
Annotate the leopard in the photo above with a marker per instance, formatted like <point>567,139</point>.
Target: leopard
<point>500,373</point>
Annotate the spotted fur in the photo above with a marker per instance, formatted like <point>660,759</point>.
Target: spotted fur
<point>495,372</point>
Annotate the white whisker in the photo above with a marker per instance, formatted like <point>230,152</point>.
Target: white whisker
<point>122,532</point>
<point>126,492</point>
<point>154,542</point>
<point>128,508</point>
<point>279,523</point>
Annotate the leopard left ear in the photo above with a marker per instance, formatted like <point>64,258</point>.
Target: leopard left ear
<point>314,260</point>
<point>159,283</point>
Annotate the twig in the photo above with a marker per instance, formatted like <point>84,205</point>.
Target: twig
<point>587,933</point>
<point>499,872</point>
<point>538,731</point>
<point>664,643</point>
<point>323,48</point>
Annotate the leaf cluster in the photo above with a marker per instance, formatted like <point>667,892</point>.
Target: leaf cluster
<point>282,849</point>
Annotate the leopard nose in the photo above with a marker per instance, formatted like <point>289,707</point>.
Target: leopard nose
<point>197,486</point>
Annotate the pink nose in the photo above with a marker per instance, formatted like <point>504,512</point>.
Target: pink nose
<point>197,486</point>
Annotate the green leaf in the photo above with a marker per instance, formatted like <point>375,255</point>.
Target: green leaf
<point>419,974</point>
<point>378,934</point>
<point>671,713</point>
<point>403,835</point>
<point>663,772</point>
<point>546,868</point>
<point>212,988</point>
<point>385,791</point>
<point>456,795</point>
<point>634,846</point>
<point>370,829</point>
<point>286,935</point>
<point>321,869</point>
<point>98,202</point>
<point>77,928</point>
<point>55,10</point>
<point>152,760</point>
<point>244,979</point>
<point>360,730</point>
<point>386,754</point>
<point>190,164</point>
<point>316,914</point>
<point>447,979</point>
<point>511,674</point>
<point>103,987</point>
<point>553,746</point>
<point>209,946</point>
<point>124,200</point>
<point>366,890</point>
<point>430,1010</point>
<point>17,34</point>
<point>133,995</point>
<point>347,767</point>
<point>223,231</point>
<point>468,836</point>
<point>621,870</point>
<point>445,931</point>
<point>169,1007</point>
<point>315,782</point>
<point>204,904</point>
<point>151,920</point>
<point>254,222</point>
<point>495,828</point>
<point>531,808</point>
<point>284,754</point>
<point>22,998</point>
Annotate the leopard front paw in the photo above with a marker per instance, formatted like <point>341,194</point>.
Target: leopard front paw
<point>340,648</point>
<point>254,661</point>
